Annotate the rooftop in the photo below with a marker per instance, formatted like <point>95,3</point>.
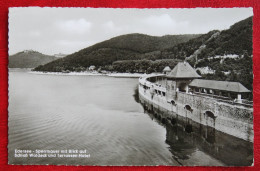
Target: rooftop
<point>166,69</point>
<point>183,70</point>
<point>219,85</point>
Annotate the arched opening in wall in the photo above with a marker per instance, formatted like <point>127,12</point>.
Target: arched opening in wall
<point>163,93</point>
<point>145,107</point>
<point>150,108</point>
<point>210,114</point>
<point>188,107</point>
<point>173,102</point>
<point>188,128</point>
<point>197,90</point>
<point>173,121</point>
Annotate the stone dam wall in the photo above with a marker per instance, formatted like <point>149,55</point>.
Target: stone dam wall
<point>232,119</point>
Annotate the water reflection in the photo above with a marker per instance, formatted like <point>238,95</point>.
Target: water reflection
<point>186,137</point>
<point>136,94</point>
<point>104,116</point>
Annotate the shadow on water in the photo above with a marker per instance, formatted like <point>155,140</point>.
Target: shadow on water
<point>184,137</point>
<point>136,95</point>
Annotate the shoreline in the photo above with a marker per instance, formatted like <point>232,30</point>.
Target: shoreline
<point>126,75</point>
<point>68,74</point>
<point>116,75</point>
<point>112,74</point>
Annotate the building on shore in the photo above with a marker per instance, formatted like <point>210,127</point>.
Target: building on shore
<point>217,104</point>
<point>92,68</point>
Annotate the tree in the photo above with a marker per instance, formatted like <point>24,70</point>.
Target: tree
<point>198,72</point>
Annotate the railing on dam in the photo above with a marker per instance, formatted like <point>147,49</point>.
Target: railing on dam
<point>226,99</point>
<point>217,98</point>
<point>158,87</point>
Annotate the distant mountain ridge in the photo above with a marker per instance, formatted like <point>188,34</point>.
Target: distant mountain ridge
<point>126,47</point>
<point>29,59</point>
<point>143,43</point>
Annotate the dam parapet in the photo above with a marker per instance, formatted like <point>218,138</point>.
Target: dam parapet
<point>216,104</point>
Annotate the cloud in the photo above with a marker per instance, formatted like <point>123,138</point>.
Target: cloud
<point>110,27</point>
<point>79,26</point>
<point>66,30</point>
<point>163,20</point>
<point>164,24</point>
<point>69,46</point>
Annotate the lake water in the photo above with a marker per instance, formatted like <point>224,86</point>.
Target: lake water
<point>101,115</point>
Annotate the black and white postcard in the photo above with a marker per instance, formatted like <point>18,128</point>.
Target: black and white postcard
<point>130,87</point>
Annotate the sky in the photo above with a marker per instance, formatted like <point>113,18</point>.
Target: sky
<point>68,30</point>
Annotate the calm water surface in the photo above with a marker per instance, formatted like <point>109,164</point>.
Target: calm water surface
<point>96,113</point>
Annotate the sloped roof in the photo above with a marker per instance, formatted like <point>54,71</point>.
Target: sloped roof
<point>167,68</point>
<point>183,70</point>
<point>219,85</point>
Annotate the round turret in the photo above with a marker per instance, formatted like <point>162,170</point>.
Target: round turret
<point>167,70</point>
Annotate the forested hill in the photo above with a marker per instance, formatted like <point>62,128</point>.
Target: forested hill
<point>125,47</point>
<point>143,53</point>
<point>29,59</point>
<point>229,54</point>
<point>143,43</point>
<point>235,40</point>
